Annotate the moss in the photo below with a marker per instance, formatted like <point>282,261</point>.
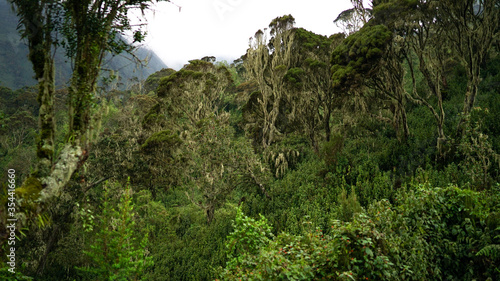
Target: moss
<point>152,117</point>
<point>46,133</point>
<point>162,139</point>
<point>30,189</point>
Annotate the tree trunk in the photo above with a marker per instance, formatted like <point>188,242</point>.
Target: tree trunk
<point>441,140</point>
<point>327,123</point>
<point>470,98</point>
<point>62,172</point>
<point>404,121</point>
<point>45,143</point>
<point>210,211</point>
<point>406,129</point>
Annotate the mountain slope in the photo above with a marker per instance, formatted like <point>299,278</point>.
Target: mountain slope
<point>16,70</point>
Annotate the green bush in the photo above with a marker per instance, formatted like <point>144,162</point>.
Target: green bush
<point>435,233</point>
<point>353,250</point>
<point>114,253</point>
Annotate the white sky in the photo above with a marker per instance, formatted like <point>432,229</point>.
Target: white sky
<point>222,28</point>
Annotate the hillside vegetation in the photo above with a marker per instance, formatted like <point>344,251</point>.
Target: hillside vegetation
<point>371,154</point>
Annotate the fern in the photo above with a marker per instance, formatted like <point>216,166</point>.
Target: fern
<point>491,251</point>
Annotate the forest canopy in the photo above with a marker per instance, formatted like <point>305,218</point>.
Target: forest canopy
<point>370,154</point>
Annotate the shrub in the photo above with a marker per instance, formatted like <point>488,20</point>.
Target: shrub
<point>115,254</point>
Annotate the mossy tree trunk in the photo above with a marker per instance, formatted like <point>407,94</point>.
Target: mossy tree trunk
<point>89,29</point>
<point>35,17</point>
<point>92,28</point>
<point>45,73</point>
<point>45,143</point>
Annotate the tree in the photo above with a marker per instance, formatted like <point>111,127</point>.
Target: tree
<point>87,30</point>
<point>432,34</point>
<point>295,88</point>
<point>153,81</point>
<point>423,44</point>
<point>219,164</point>
<point>192,141</point>
<point>309,84</point>
<point>390,83</point>
<point>352,20</point>
<point>267,65</point>
<point>471,27</point>
<point>37,20</point>
<point>193,93</point>
<point>369,60</point>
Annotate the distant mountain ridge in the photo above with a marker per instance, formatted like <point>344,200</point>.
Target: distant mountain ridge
<point>16,70</point>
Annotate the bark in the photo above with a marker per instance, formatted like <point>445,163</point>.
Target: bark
<point>45,144</point>
<point>327,123</point>
<point>470,97</point>
<point>210,211</point>
<point>404,121</point>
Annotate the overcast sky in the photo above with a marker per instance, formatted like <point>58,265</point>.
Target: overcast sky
<point>222,28</point>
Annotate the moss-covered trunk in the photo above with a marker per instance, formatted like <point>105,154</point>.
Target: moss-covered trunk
<point>89,54</point>
<point>404,122</point>
<point>45,143</point>
<point>81,93</point>
<point>470,98</point>
<point>326,121</point>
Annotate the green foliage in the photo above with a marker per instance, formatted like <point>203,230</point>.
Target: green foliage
<point>115,254</point>
<point>332,150</point>
<point>358,54</point>
<point>6,275</point>
<point>443,230</point>
<point>348,205</point>
<point>153,80</point>
<point>293,77</point>
<point>477,151</point>
<point>193,93</point>
<point>185,247</point>
<point>351,250</point>
<point>311,42</point>
<point>387,10</point>
<point>162,139</point>
<point>428,233</point>
<point>218,164</point>
<point>492,252</point>
<point>300,193</point>
<point>247,237</point>
<point>325,185</point>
